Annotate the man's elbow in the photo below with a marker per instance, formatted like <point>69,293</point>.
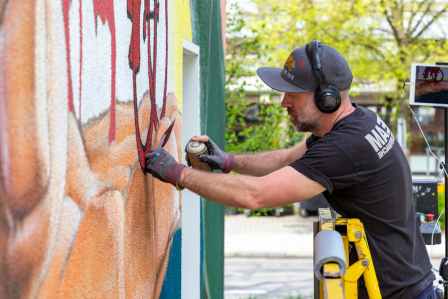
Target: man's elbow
<point>253,204</point>
<point>253,199</point>
<point>258,198</point>
<point>252,195</point>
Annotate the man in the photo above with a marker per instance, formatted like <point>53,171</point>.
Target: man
<point>351,156</point>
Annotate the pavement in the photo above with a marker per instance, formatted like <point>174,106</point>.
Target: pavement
<point>271,257</point>
<point>284,236</point>
<point>272,277</point>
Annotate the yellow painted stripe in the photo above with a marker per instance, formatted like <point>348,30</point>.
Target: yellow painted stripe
<point>182,32</point>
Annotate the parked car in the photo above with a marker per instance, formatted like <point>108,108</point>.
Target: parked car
<point>311,206</point>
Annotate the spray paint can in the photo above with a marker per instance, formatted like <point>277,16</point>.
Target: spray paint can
<point>194,150</point>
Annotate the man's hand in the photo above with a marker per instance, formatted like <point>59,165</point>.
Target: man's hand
<point>163,166</point>
<point>216,157</point>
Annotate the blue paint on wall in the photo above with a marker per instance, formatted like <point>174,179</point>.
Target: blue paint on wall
<point>172,285</point>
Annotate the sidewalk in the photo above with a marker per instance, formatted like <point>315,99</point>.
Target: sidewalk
<point>285,236</point>
<point>280,237</point>
<point>263,257</point>
<point>271,257</point>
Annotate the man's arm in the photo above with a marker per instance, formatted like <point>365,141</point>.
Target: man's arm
<point>281,187</point>
<point>260,164</point>
<point>257,164</point>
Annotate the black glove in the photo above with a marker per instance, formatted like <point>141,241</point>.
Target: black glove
<point>217,158</point>
<point>163,166</point>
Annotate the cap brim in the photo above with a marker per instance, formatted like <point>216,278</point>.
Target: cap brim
<point>272,78</point>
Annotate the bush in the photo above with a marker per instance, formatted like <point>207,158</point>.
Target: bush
<point>267,128</point>
<point>252,125</point>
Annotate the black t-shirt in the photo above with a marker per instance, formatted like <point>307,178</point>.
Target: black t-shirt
<point>367,176</point>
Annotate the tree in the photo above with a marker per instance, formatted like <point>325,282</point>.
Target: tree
<point>379,38</point>
<point>251,124</point>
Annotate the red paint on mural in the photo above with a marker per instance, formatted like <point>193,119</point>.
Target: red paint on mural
<point>152,60</point>
<point>162,114</point>
<point>104,9</point>
<point>65,9</point>
<point>80,60</point>
<point>134,8</point>
<point>134,46</point>
<point>147,33</point>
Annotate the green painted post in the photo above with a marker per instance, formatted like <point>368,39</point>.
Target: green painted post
<point>206,17</point>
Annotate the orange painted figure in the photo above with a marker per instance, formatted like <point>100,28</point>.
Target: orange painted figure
<point>78,218</point>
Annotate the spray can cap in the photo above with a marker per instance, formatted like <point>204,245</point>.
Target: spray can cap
<point>196,148</point>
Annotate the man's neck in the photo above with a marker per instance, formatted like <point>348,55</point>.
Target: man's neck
<point>328,121</point>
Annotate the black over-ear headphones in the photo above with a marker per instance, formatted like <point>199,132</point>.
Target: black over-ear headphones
<point>326,96</point>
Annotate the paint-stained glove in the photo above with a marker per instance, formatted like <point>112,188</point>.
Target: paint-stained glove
<point>163,166</point>
<point>217,158</point>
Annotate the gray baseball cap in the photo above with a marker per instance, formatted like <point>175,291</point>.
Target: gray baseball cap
<point>297,75</point>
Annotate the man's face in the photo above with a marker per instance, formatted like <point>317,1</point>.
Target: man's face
<point>302,110</point>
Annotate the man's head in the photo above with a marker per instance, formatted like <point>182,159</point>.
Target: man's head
<point>302,110</point>
<point>312,79</point>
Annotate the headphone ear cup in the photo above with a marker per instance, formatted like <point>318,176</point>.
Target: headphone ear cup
<point>328,99</point>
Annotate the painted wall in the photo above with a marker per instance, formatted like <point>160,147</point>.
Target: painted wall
<point>85,91</point>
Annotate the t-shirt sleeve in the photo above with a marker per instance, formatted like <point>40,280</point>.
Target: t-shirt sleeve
<point>327,164</point>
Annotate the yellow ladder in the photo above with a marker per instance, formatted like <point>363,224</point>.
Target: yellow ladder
<point>341,281</point>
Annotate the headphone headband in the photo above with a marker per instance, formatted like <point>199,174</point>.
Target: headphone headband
<point>326,97</point>
<point>312,51</point>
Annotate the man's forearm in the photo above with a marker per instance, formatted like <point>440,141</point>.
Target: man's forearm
<point>232,190</point>
<point>260,164</point>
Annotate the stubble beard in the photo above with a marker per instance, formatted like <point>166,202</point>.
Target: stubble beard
<point>303,126</point>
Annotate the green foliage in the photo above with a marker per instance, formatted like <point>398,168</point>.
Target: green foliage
<point>379,38</point>
<point>262,212</point>
<point>270,129</point>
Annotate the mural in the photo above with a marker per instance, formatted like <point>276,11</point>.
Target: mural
<point>83,97</point>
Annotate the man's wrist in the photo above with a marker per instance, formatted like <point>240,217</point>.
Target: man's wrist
<point>182,177</point>
<point>178,170</point>
<point>229,163</point>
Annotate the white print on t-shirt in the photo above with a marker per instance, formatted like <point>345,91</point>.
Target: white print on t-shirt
<point>380,138</point>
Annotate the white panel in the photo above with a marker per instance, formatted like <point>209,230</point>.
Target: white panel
<point>191,207</point>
